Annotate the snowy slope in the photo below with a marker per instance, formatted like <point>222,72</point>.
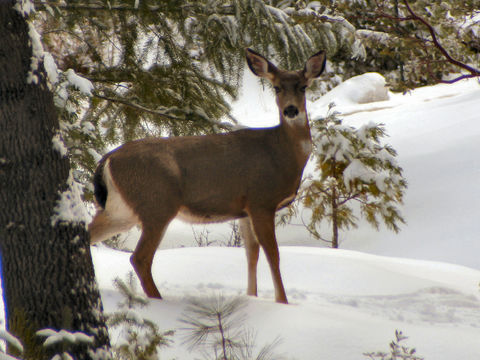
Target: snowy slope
<point>343,303</point>
<point>436,131</point>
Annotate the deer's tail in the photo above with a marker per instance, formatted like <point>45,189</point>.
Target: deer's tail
<point>99,186</point>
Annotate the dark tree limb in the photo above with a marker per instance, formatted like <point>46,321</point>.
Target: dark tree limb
<point>472,72</point>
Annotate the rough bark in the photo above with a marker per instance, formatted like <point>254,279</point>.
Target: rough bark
<point>47,272</point>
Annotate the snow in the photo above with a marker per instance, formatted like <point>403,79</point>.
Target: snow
<point>357,170</point>
<point>348,302</point>
<point>85,86</point>
<point>59,145</point>
<point>54,337</point>
<point>342,303</point>
<point>50,68</point>
<point>24,7</point>
<point>70,207</point>
<point>435,131</point>
<point>11,340</point>
<point>37,53</point>
<point>362,89</point>
<point>423,281</point>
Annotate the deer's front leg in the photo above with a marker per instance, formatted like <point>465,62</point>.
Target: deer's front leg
<point>252,248</point>
<point>263,223</point>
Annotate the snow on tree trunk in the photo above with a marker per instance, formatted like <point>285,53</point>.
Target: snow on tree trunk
<point>47,273</point>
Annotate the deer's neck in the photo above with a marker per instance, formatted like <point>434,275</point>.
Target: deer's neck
<point>298,131</point>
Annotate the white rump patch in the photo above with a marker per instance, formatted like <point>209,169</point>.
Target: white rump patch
<point>116,208</point>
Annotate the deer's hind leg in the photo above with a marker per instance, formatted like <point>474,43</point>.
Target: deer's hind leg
<point>142,258</point>
<point>155,214</point>
<point>252,248</point>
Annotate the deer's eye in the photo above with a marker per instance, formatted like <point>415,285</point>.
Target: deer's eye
<point>277,89</point>
<point>303,88</point>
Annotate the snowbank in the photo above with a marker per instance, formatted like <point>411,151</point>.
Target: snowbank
<point>343,303</point>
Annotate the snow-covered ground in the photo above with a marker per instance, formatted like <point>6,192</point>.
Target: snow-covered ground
<point>342,303</point>
<point>423,281</point>
<point>347,302</point>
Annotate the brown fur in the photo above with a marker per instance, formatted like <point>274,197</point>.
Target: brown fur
<point>247,174</point>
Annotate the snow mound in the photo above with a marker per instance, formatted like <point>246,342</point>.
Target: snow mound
<point>343,303</point>
<point>362,89</point>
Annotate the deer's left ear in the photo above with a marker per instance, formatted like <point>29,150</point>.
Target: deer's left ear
<point>259,65</point>
<point>315,66</point>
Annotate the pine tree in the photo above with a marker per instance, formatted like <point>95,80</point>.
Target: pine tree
<point>47,272</point>
<point>353,167</point>
<point>139,338</point>
<point>399,44</point>
<point>397,350</point>
<point>171,67</point>
<point>214,327</point>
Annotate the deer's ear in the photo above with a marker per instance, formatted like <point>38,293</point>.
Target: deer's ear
<point>315,66</point>
<point>259,65</point>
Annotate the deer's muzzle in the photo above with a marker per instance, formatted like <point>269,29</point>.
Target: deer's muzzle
<point>290,111</point>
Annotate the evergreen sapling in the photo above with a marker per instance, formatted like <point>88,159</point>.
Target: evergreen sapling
<point>352,166</point>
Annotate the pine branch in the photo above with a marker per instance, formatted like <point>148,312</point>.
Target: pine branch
<point>88,7</point>
<point>315,233</point>
<point>473,72</point>
<point>42,5</point>
<point>161,113</point>
<point>415,17</point>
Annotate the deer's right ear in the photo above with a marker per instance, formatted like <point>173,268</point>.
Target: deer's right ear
<point>315,66</point>
<point>259,65</point>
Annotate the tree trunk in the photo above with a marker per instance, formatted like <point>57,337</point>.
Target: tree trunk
<point>47,273</point>
<point>334,205</point>
<point>334,218</point>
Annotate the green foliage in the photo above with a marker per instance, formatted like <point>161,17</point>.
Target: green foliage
<point>397,350</point>
<point>140,337</point>
<point>401,48</point>
<point>215,327</point>
<point>353,166</point>
<point>171,67</point>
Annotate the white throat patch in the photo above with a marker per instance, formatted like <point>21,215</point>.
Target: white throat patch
<point>306,147</point>
<point>299,120</point>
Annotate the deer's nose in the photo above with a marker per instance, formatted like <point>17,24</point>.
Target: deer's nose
<point>290,111</point>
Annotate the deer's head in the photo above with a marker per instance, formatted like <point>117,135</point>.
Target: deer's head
<point>289,86</point>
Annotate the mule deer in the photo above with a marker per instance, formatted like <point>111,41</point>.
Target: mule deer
<point>247,174</point>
